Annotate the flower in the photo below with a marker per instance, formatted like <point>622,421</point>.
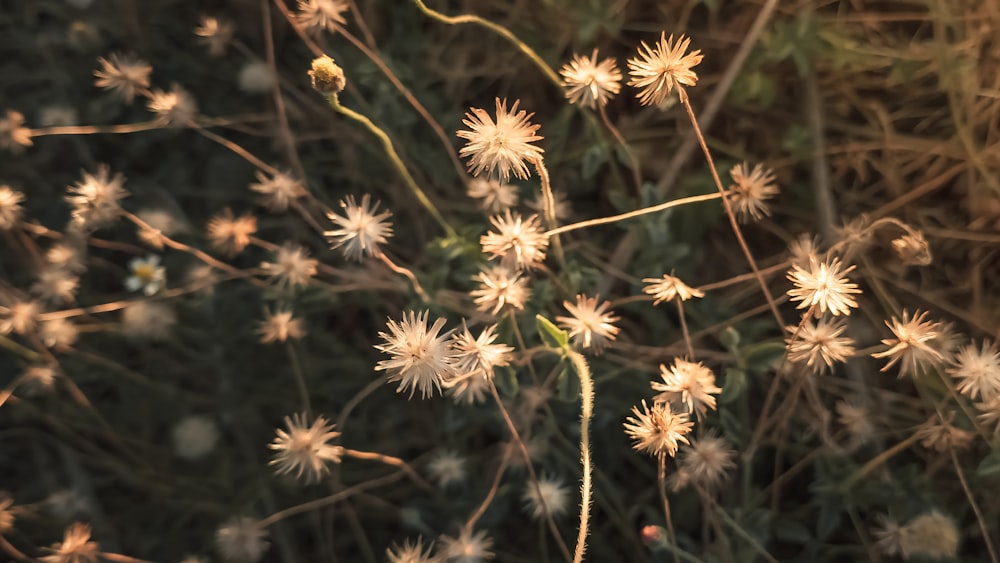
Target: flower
<point>147,275</point>
<point>820,341</point>
<point>6,513</point>
<point>494,195</point>
<point>19,317</point>
<point>519,243</point>
<point>56,284</point>
<point>321,15</point>
<point>279,190</point>
<point>447,467</point>
<point>361,228</point>
<point>194,437</point>
<point>657,431</point>
<point>940,435</point>
<point>96,199</point>
<point>589,83</point>
<point>159,224</point>
<point>305,449</point>
<point>468,547</point>
<point>469,390</point>
<point>668,287</point>
<point>410,552</point>
<point>241,540</point>
<point>148,319</point>
<point>292,266</point>
<point>123,75</point>
<point>550,496</point>
<point>500,287</point>
<point>856,420</point>
<point>823,288</point>
<point>694,382</point>
<point>804,249</point>
<point>932,535</point>
<point>14,136</point>
<point>215,34</point>
<point>913,249</point>
<point>562,207</point>
<point>76,547</point>
<point>10,207</point>
<point>911,348</point>
<point>327,76</point>
<point>658,69</point>
<point>59,333</point>
<point>229,234</point>
<point>750,189</point>
<point>478,356</point>
<point>704,462</point>
<point>176,108</point>
<point>978,371</point>
<point>279,327</point>
<point>589,324</point>
<point>420,356</point>
<point>256,78</point>
<point>503,146</point>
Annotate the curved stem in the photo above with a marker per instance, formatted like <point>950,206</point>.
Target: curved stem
<point>331,499</point>
<point>300,380</point>
<point>586,412</point>
<point>409,275</point>
<point>633,160</point>
<point>975,506</point>
<point>393,461</point>
<point>549,204</point>
<point>470,524</point>
<point>636,213</point>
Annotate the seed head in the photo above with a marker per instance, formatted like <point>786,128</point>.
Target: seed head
<point>10,207</point>
<point>292,266</point>
<point>912,346</point>
<point>123,75</point>
<point>978,371</point>
<point>76,547</point>
<point>493,195</point>
<point>750,190</point>
<point>317,16</point>
<point>692,382</point>
<point>420,357</point>
<point>820,341</point>
<point>705,462</point>
<point>14,136</point>
<point>468,547</point>
<point>176,108</point>
<point>590,325</point>
<point>304,449</point>
<point>241,540</point>
<point>824,287</point>
<point>278,191</point>
<point>500,287</point>
<point>503,146</point>
<point>447,468</point>
<point>96,199</point>
<point>659,68</point>
<point>279,327</point>
<point>215,34</point>
<point>410,552</point>
<point>549,497</point>
<point>589,83</point>
<point>668,287</point>
<point>229,234</point>
<point>519,243</point>
<point>657,431</point>
<point>361,230</point>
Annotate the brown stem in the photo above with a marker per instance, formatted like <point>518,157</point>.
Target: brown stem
<point>975,507</point>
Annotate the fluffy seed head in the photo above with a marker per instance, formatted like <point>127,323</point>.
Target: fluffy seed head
<point>10,207</point>
<point>549,497</point>
<point>229,234</point>
<point>447,467</point>
<point>668,287</point>
<point>692,382</point>
<point>361,230</point>
<point>912,346</point>
<point>304,449</point>
<point>657,431</point>
<point>279,327</point>
<point>215,34</point>
<point>76,547</point>
<point>410,552</point>
<point>819,345</point>
<point>14,136</point>
<point>590,325</point>
<point>659,68</point>
<point>241,540</point>
<point>519,243</point>
<point>589,83</point>
<point>176,108</point>
<point>278,191</point>
<point>912,249</point>
<point>123,75</point>
<point>420,357</point>
<point>195,437</point>
<point>292,266</point>
<point>705,462</point>
<point>503,146</point>
<point>468,547</point>
<point>750,190</point>
<point>317,16</point>
<point>96,199</point>
<point>978,371</point>
<point>823,286</point>
<point>494,196</point>
<point>500,287</point>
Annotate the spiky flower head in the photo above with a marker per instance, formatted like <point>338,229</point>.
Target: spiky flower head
<point>750,190</point>
<point>499,288</point>
<point>230,234</point>
<point>278,190</point>
<point>321,15</point>
<point>704,462</point>
<point>215,34</point>
<point>327,76</point>
<point>668,287</point>
<point>447,468</point>
<point>549,497</point>
<point>361,230</point>
<point>468,547</point>
<point>175,108</point>
<point>494,196</point>
<point>96,199</point>
<point>241,540</point>
<point>519,243</point>
<point>304,449</point>
<point>476,357</point>
<point>420,357</point>
<point>76,547</point>
<point>659,68</point>
<point>657,431</point>
<point>292,266</point>
<point>589,83</point>
<point>912,348</point>
<point>279,326</point>
<point>819,344</point>
<point>823,286</point>
<point>978,371</point>
<point>692,382</point>
<point>10,207</point>
<point>124,75</point>
<point>502,146</point>
<point>410,552</point>
<point>912,249</point>
<point>590,325</point>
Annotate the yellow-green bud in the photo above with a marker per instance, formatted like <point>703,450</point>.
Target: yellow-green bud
<point>327,77</point>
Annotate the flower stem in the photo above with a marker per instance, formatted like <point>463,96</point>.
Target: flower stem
<point>636,213</point>
<point>586,412</point>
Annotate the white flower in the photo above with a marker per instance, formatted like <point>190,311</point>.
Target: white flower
<point>978,371</point>
<point>241,540</point>
<point>420,357</point>
<point>503,146</point>
<point>361,230</point>
<point>96,199</point>
<point>658,69</point>
<point>500,287</point>
<point>549,497</point>
<point>305,449</point>
<point>589,83</point>
<point>824,287</point>
<point>519,243</point>
<point>147,275</point>
<point>692,381</point>
<point>468,547</point>
<point>278,190</point>
<point>590,325</point>
<point>668,287</point>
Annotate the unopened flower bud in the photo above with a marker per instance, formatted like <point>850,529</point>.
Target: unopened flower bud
<point>327,77</point>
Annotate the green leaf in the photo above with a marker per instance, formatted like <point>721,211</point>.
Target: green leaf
<point>990,466</point>
<point>730,338</point>
<point>506,381</point>
<point>552,336</point>
<point>568,386</point>
<point>736,384</point>
<point>593,158</point>
<point>765,356</point>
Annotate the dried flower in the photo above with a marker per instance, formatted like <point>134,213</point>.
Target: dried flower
<point>76,547</point>
<point>361,230</point>
<point>147,275</point>
<point>657,431</point>
<point>292,266</point>
<point>668,287</point>
<point>476,357</point>
<point>215,34</point>
<point>704,462</point>
<point>940,435</point>
<point>321,15</point>
<point>590,325</point>
<point>932,535</point>
<point>420,356</point>
<point>804,249</point>
<point>256,78</point>
<point>123,75</point>
<point>410,552</point>
<point>159,223</point>
<point>519,243</point>
<point>56,284</point>
<point>305,449</point>
<point>589,83</point>
<point>10,207</point>
<point>148,319</point>
<point>327,76</point>
<point>503,146</point>
<point>913,249</point>
<point>19,317</point>
<point>750,190</point>
<point>549,497</point>
<point>658,69</point>
<point>693,382</point>
<point>978,371</point>
<point>469,390</point>
<point>856,420</point>
<point>96,199</point>
<point>195,437</point>
<point>493,195</point>
<point>911,348</point>
<point>14,136</point>
<point>278,191</point>
<point>59,333</point>
<point>500,287</point>
<point>176,108</point>
<point>241,540</point>
<point>229,234</point>
<point>279,327</point>
<point>823,287</point>
<point>820,341</point>
<point>447,467</point>
<point>563,209</point>
<point>468,547</point>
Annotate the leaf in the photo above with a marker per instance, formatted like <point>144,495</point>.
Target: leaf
<point>990,466</point>
<point>506,381</point>
<point>765,356</point>
<point>552,336</point>
<point>730,338</point>
<point>735,385</point>
<point>568,386</point>
<point>593,158</point>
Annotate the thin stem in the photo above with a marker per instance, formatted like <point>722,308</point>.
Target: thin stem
<point>470,524</point>
<point>236,148</point>
<point>409,275</point>
<point>636,213</point>
<point>684,328</point>
<point>883,457</point>
<point>729,209</point>
<point>745,535</point>
<point>199,254</point>
<point>499,30</point>
<point>300,379</point>
<point>975,507</point>
<point>549,205</point>
<point>633,160</point>
<point>393,461</point>
<point>512,317</point>
<point>586,413</point>
<point>6,393</point>
<point>661,485</point>
<point>331,499</point>
<point>390,151</point>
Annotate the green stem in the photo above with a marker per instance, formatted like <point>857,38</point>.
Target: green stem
<point>745,535</point>
<point>587,411</point>
<point>390,150</point>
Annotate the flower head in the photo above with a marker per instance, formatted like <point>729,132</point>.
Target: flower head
<point>241,540</point>
<point>503,146</point>
<point>148,319</point>
<point>500,287</point>
<point>978,371</point>
<point>590,325</point>
<point>823,286</point>
<point>912,249</point>
<point>215,34</point>
<point>123,75</point>
<point>96,199</point>
<point>304,449</point>
<point>327,76</point>
<point>229,234</point>
<point>476,357</point>
<point>59,333</point>
<point>658,69</point>
<point>76,547</point>
<point>10,207</point>
<point>18,316</point>
<point>14,136</point>
<point>468,547</point>
<point>668,287</point>
<point>279,327</point>
<point>750,189</point>
<point>292,266</point>
<point>56,284</point>
<point>176,108</point>
<point>321,15</point>
<point>691,381</point>
<point>704,462</point>
<point>494,196</point>
<point>589,83</point>
<point>519,243</point>
<point>194,437</point>
<point>819,345</point>
<point>447,467</point>
<point>911,347</point>
<point>256,78</point>
<point>420,357</point>
<point>410,552</point>
<point>549,497</point>
<point>361,230</point>
<point>657,431</point>
<point>278,191</point>
<point>147,275</point>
